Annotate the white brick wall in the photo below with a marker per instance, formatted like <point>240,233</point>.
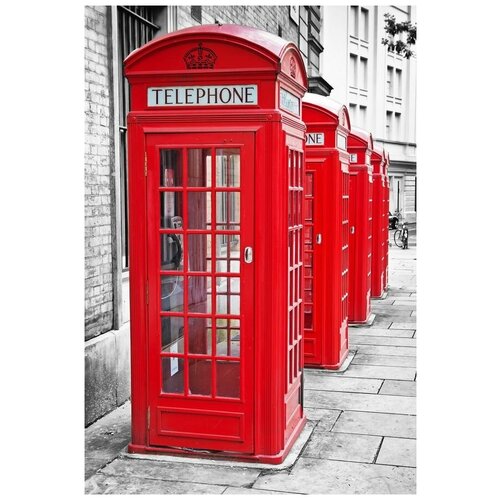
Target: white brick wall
<point>98,156</point>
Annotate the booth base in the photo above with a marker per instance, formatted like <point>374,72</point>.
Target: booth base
<point>382,297</point>
<point>286,458</point>
<point>368,322</point>
<point>339,367</point>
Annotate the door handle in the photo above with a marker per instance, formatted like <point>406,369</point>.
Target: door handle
<point>248,255</point>
<point>318,239</point>
<point>352,229</point>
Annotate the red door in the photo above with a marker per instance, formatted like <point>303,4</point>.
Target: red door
<point>313,261</point>
<point>200,288</point>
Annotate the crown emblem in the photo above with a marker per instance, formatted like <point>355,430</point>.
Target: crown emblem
<point>200,58</point>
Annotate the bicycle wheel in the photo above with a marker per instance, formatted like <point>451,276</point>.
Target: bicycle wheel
<point>397,238</point>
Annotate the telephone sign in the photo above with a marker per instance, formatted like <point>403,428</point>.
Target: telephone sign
<point>315,139</point>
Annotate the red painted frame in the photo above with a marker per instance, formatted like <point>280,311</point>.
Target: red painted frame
<point>360,146</point>
<point>326,342</point>
<point>380,224</point>
<point>242,56</point>
<point>385,167</point>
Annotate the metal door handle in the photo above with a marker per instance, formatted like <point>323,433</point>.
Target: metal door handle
<point>352,229</point>
<point>318,239</point>
<point>248,255</point>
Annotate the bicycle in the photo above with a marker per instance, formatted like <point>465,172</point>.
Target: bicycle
<point>401,236</point>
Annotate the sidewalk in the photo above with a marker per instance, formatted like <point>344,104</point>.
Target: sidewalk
<point>363,422</point>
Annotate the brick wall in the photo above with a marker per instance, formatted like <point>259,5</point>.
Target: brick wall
<point>98,161</point>
<point>264,17</point>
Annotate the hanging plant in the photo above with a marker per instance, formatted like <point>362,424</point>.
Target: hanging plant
<point>393,28</point>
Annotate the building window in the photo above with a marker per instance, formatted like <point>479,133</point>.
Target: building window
<point>362,116</point>
<point>303,31</point>
<point>388,124</point>
<point>196,13</point>
<point>397,126</point>
<point>390,81</point>
<point>353,70</point>
<point>363,73</point>
<point>135,28</point>
<point>352,113</point>
<point>354,21</point>
<point>398,85</point>
<point>364,24</point>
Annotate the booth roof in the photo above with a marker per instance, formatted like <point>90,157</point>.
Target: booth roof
<point>363,135</point>
<point>273,43</point>
<point>328,104</point>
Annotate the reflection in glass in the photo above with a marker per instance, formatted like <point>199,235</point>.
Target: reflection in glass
<point>199,168</point>
<point>227,300</point>
<point>227,167</point>
<point>170,168</point>
<point>199,209</point>
<point>200,335</point>
<point>227,253</point>
<point>228,210</point>
<point>170,209</point>
<point>228,337</point>
<point>200,376</point>
<point>171,252</point>
<point>172,334</point>
<point>172,375</point>
<point>228,378</point>
<point>172,293</point>
<point>200,252</point>
<point>199,294</point>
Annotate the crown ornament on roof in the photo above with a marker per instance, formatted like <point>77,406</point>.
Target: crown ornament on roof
<point>200,58</point>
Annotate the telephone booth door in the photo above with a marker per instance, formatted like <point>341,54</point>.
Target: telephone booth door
<point>199,223</point>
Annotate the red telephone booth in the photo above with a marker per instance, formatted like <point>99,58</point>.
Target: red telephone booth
<point>387,197</point>
<point>360,147</point>
<point>326,232</point>
<point>216,143</point>
<point>379,225</point>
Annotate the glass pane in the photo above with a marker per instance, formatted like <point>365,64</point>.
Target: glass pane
<point>199,209</point>
<point>199,168</point>
<point>200,376</point>
<point>308,188</point>
<point>200,252</point>
<point>200,335</point>
<point>200,294</point>
<point>172,334</point>
<point>170,168</point>
<point>172,293</point>
<point>228,210</point>
<point>170,209</point>
<point>228,337</point>
<point>171,252</point>
<point>227,253</point>
<point>227,301</point>
<point>228,378</point>
<point>172,375</point>
<point>228,167</point>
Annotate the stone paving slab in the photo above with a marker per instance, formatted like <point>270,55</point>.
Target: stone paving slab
<point>387,350</point>
<point>183,472</point>
<point>231,490</point>
<point>381,323</point>
<point>397,293</point>
<point>413,314</point>
<point>341,446</point>
<point>380,372</point>
<point>374,340</point>
<point>326,382</point>
<point>316,476</point>
<point>377,424</point>
<point>378,360</point>
<point>398,451</point>
<point>386,308</point>
<point>406,325</point>
<point>102,484</point>
<point>399,388</point>
<point>394,316</point>
<point>382,332</point>
<point>360,402</point>
<point>409,301</point>
<point>325,418</point>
